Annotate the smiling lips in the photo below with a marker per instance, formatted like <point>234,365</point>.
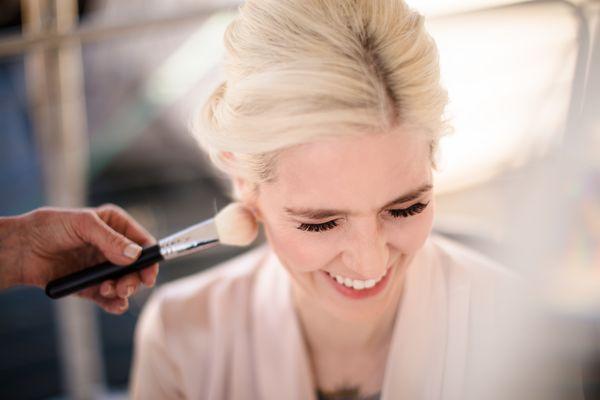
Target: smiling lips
<point>357,284</point>
<point>358,289</point>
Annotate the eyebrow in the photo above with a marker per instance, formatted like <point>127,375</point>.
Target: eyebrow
<point>326,213</point>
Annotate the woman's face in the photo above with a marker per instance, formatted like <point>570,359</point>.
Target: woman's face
<point>332,208</point>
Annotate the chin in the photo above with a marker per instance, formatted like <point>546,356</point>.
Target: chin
<point>361,310</point>
<point>360,313</point>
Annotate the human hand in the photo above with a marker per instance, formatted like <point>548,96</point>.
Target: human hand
<point>49,243</point>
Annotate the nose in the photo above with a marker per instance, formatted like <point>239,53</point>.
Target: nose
<point>366,251</point>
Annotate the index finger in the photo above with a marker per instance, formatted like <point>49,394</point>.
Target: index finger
<point>122,222</point>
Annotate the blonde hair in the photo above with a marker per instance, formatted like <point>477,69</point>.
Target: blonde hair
<point>302,70</point>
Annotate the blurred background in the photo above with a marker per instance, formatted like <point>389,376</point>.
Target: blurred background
<point>96,97</point>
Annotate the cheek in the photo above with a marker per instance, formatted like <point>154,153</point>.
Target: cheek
<point>409,237</point>
<point>299,251</point>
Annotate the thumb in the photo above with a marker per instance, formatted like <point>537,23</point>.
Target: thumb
<point>113,245</point>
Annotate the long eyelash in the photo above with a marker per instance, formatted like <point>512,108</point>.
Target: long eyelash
<point>398,213</point>
<point>409,211</point>
<point>318,227</point>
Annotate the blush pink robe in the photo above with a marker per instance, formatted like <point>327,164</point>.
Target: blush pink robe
<point>231,332</point>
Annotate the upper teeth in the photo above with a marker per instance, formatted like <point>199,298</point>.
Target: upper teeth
<point>355,283</point>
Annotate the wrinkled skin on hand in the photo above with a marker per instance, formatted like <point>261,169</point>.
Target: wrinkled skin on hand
<point>48,243</point>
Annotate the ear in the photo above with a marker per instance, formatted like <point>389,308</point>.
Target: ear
<point>246,195</point>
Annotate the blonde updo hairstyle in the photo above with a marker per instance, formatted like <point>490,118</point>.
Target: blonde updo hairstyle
<point>297,71</point>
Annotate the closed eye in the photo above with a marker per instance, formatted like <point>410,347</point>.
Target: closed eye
<point>409,211</point>
<point>396,213</point>
<point>318,227</point>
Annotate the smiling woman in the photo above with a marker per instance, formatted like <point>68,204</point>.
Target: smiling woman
<point>351,223</point>
<point>327,124</point>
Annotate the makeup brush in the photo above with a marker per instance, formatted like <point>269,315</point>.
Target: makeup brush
<point>234,225</point>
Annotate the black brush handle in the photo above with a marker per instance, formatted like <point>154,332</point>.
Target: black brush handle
<point>99,273</point>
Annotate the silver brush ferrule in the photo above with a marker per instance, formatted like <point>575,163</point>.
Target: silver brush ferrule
<point>190,240</point>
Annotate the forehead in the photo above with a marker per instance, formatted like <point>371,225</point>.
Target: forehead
<point>354,172</point>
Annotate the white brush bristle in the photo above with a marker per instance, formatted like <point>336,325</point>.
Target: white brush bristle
<point>236,225</point>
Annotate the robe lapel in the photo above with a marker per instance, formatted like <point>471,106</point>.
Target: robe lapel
<point>428,351</point>
<point>282,367</point>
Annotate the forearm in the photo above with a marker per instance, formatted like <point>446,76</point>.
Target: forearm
<point>11,271</point>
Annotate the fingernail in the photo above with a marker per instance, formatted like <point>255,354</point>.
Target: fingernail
<point>132,251</point>
<point>104,290</point>
<point>111,290</point>
<point>129,291</point>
